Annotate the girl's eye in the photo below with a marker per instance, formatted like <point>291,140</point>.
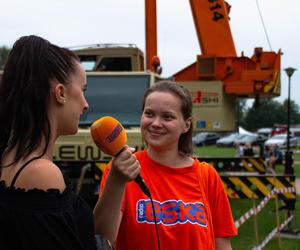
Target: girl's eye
<point>148,113</point>
<point>168,117</point>
<point>84,87</point>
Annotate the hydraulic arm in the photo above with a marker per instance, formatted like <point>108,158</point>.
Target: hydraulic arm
<point>242,76</point>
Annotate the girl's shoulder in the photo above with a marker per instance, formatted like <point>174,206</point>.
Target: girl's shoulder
<point>41,174</point>
<point>206,169</point>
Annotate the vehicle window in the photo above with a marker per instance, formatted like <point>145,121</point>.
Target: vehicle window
<point>119,96</point>
<point>198,136</point>
<point>115,64</point>
<point>88,62</point>
<point>279,137</point>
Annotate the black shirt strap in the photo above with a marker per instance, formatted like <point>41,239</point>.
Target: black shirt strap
<point>21,168</point>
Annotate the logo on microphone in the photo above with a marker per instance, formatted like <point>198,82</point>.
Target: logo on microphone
<point>171,212</point>
<point>114,134</point>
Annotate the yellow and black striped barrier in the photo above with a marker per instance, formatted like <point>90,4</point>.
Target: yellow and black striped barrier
<point>98,170</point>
<point>229,164</point>
<point>249,186</point>
<point>243,178</point>
<point>246,177</point>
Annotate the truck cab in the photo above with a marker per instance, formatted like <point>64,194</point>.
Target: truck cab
<point>111,57</point>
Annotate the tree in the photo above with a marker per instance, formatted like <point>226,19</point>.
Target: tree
<point>270,112</point>
<point>265,115</point>
<point>241,109</point>
<point>294,112</point>
<point>4,51</point>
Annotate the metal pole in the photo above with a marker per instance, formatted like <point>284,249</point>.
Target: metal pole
<point>289,155</point>
<point>151,32</point>
<point>277,215</point>
<point>255,220</point>
<point>237,105</point>
<point>288,117</point>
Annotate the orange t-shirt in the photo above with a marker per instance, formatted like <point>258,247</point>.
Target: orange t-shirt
<point>190,203</point>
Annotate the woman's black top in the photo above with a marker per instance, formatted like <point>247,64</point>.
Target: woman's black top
<point>37,219</point>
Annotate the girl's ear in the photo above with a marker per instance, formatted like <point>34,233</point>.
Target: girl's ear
<point>60,93</point>
<point>188,123</point>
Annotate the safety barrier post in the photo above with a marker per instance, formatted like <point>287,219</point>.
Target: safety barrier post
<point>255,215</point>
<point>277,219</point>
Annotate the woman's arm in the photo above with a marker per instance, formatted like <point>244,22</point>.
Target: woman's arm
<point>107,212</point>
<point>223,244</point>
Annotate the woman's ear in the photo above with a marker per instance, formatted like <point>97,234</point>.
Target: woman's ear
<point>60,93</point>
<point>188,123</point>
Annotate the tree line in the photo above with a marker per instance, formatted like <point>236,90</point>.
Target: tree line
<point>267,113</point>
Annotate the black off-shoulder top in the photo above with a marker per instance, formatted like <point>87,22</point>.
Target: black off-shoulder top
<point>38,219</point>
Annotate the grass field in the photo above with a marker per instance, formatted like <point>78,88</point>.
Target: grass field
<point>266,219</point>
<point>266,222</point>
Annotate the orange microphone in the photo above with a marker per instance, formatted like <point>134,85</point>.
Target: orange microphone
<point>110,136</point>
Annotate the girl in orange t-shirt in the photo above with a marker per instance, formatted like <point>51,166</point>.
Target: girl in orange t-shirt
<point>191,207</point>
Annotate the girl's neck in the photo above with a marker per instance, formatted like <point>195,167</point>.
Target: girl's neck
<point>171,158</point>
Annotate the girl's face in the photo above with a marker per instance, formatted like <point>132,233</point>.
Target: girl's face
<point>162,121</point>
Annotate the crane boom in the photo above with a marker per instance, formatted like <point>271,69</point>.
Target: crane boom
<point>151,32</point>
<point>212,25</point>
<point>242,76</point>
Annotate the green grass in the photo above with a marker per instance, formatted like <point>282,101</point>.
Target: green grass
<point>266,222</point>
<point>213,151</point>
<point>266,219</point>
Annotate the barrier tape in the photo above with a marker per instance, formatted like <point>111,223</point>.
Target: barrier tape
<point>273,233</point>
<point>256,210</point>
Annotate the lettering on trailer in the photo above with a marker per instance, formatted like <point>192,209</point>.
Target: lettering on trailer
<point>83,153</point>
<point>72,152</point>
<point>171,212</point>
<point>216,9</point>
<point>201,97</point>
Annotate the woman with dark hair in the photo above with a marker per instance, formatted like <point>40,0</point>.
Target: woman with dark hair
<point>41,98</point>
<point>191,207</point>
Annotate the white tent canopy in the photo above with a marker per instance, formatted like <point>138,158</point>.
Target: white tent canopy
<point>244,131</point>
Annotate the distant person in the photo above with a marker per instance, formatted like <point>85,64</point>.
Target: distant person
<point>260,147</point>
<point>248,150</point>
<point>239,149</point>
<point>192,208</point>
<point>276,157</point>
<point>267,153</point>
<point>41,98</point>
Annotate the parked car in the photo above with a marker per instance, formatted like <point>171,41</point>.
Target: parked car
<point>228,140</point>
<point>281,141</point>
<point>265,131</point>
<point>251,139</point>
<point>205,138</point>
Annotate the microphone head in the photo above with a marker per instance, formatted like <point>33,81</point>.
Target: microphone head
<point>109,135</point>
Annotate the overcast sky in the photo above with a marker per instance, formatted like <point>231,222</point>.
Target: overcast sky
<point>81,22</point>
